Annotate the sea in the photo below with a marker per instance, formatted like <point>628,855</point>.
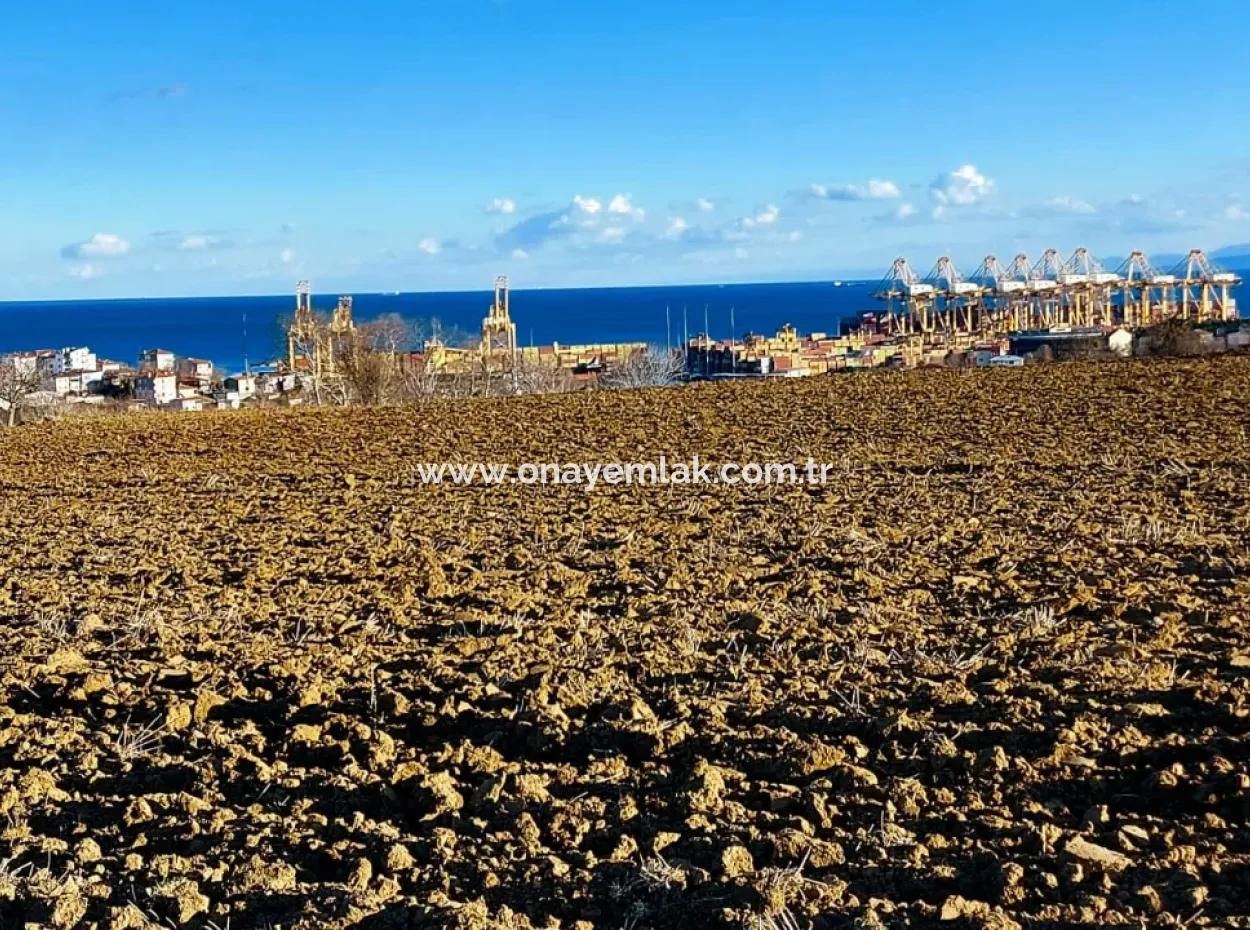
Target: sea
<point>234,331</point>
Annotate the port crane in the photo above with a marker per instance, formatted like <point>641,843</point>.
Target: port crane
<point>1087,291</point>
<point>1052,293</point>
<point>1203,289</point>
<point>1005,299</point>
<point>1046,290</point>
<point>1147,293</point>
<point>909,301</point>
<point>957,307</point>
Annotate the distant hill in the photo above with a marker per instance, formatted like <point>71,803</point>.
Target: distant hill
<point>1233,256</point>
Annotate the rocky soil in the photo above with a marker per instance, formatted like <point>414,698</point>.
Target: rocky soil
<point>996,675</point>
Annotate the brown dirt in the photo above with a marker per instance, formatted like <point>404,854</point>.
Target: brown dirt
<point>996,676</point>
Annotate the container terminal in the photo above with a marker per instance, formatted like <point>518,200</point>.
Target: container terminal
<point>993,316</point>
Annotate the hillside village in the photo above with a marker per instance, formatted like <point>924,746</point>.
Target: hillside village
<point>76,375</point>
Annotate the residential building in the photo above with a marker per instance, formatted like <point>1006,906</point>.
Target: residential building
<point>157,360</point>
<point>73,358</point>
<point>25,364</point>
<point>157,387</point>
<point>226,400</point>
<point>45,364</point>
<point>195,369</point>
<point>76,383</point>
<point>242,385</point>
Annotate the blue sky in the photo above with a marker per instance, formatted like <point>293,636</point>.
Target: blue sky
<point>165,149</point>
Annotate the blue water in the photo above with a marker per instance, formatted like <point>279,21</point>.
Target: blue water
<point>213,327</point>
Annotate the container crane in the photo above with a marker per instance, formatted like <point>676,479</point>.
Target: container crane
<point>1004,297</point>
<point>1046,290</point>
<point>1147,292</point>
<point>909,300</point>
<point>1014,294</point>
<point>1087,290</point>
<point>1203,289</point>
<point>958,301</point>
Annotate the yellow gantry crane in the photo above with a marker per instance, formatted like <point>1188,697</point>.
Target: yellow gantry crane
<point>1052,293</point>
<point>1006,302</point>
<point>1087,291</point>
<point>1203,289</point>
<point>1147,294</point>
<point>909,301</point>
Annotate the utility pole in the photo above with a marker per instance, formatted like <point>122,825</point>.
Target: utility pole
<point>685,336</point>
<point>707,341</point>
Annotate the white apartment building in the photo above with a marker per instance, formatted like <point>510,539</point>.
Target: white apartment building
<point>242,385</point>
<point>25,364</point>
<point>195,369</point>
<point>73,358</point>
<point>156,360</point>
<point>157,387</point>
<point>75,382</point>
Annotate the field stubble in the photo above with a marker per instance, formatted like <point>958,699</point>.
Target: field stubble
<point>994,675</point>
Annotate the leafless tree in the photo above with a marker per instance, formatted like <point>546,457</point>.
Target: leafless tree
<point>370,361</point>
<point>419,380</point>
<point>16,384</point>
<point>530,377</point>
<point>654,367</point>
<point>308,343</point>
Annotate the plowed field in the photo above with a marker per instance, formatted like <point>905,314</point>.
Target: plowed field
<point>996,674</point>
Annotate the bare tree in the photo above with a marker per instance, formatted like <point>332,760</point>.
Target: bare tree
<point>419,380</point>
<point>370,361</point>
<point>306,343</point>
<point>654,367</point>
<point>530,377</point>
<point>17,382</point>
<point>394,333</point>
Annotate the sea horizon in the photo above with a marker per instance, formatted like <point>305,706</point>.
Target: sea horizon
<point>235,330</point>
<point>814,279</point>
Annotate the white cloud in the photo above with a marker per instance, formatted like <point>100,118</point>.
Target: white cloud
<point>905,212</point>
<point>676,226</point>
<point>962,187</point>
<point>287,255</point>
<point>766,216</point>
<point>612,234</point>
<point>1069,204</point>
<point>197,242</point>
<point>85,271</point>
<point>588,205</point>
<point>705,204</point>
<point>502,205</point>
<point>875,189</point>
<point>621,205</point>
<point>101,245</point>
<point>430,246</point>
<point>520,254</point>
<point>1235,212</point>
